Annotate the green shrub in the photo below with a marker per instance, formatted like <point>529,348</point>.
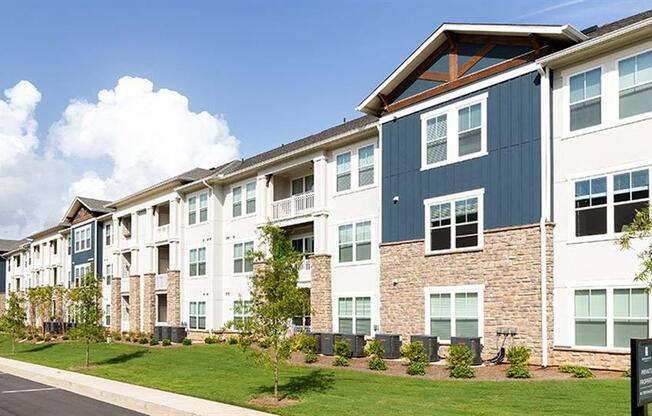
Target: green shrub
<point>143,340</point>
<point>47,338</point>
<point>166,342</point>
<point>377,363</point>
<point>264,343</point>
<point>153,342</point>
<point>30,337</point>
<point>416,368</point>
<point>576,371</point>
<point>303,342</point>
<point>117,337</point>
<point>459,362</point>
<point>39,338</point>
<point>65,337</point>
<point>232,340</point>
<point>310,357</point>
<point>414,352</point>
<point>627,373</point>
<point>374,348</point>
<point>340,361</point>
<point>187,341</point>
<point>342,348</point>
<point>211,339</point>
<point>518,358</point>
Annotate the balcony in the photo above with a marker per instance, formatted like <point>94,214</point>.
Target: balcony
<point>124,284</point>
<point>162,232</point>
<point>161,282</point>
<point>293,206</point>
<point>304,273</point>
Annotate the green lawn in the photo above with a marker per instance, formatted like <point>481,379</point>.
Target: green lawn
<point>223,373</point>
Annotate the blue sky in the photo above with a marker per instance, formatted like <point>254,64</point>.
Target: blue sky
<point>275,71</point>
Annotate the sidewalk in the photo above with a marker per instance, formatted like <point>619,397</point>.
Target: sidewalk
<point>140,399</point>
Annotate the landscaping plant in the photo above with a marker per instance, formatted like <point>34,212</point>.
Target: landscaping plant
<point>86,300</point>
<point>187,341</point>
<point>375,351</point>
<point>310,357</point>
<point>166,342</point>
<point>518,358</point>
<point>12,322</point>
<point>576,371</point>
<point>153,342</point>
<point>416,356</point>
<point>342,351</point>
<point>211,339</point>
<point>459,362</point>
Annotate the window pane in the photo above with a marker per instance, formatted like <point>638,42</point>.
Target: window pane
<point>344,163</point>
<point>363,326</point>
<point>251,190</point>
<point>201,308</point>
<point>436,130</point>
<point>192,203</point>
<point>466,327</point>
<point>466,305</point>
<point>591,333</point>
<point>237,251</point>
<point>440,305</point>
<point>193,308</point>
<point>577,88</point>
<point>237,266</point>
<point>201,254</point>
<point>237,194</point>
<point>624,214</point>
<point>363,307</point>
<point>626,70</point>
<point>581,303</point>
<point>203,200</point>
<point>201,322</point>
<point>251,206</point>
<point>621,303</point>
<point>598,303</point>
<point>628,329</point>
<point>591,222</point>
<point>366,157</point>
<point>635,101</point>
<point>346,233</point>
<point>343,182</point>
<point>309,183</point>
<point>193,269</point>
<point>346,325</point>
<point>366,177</point>
<point>363,231</point>
<point>237,209</point>
<point>470,142</point>
<point>363,251</point>
<point>297,186</point>
<point>192,217</point>
<point>346,253</point>
<point>585,114</point>
<point>193,322</point>
<point>203,215</point>
<point>193,256</point>
<point>440,328</point>
<point>345,306</point>
<point>440,239</point>
<point>201,269</point>
<point>639,303</point>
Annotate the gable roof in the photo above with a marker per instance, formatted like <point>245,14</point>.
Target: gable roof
<point>373,103</point>
<point>596,31</point>
<point>97,206</point>
<point>9,245</point>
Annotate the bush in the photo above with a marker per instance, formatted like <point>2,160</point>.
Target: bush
<point>39,338</point>
<point>377,363</point>
<point>416,368</point>
<point>117,337</point>
<point>211,339</point>
<point>47,338</point>
<point>627,373</point>
<point>264,344</point>
<point>310,357</point>
<point>233,340</point>
<point>65,337</point>
<point>167,342</point>
<point>342,348</point>
<point>374,348</point>
<point>459,362</point>
<point>187,341</point>
<point>518,358</point>
<point>153,342</point>
<point>340,361</point>
<point>576,371</point>
<point>30,337</point>
<point>414,352</point>
<point>143,340</point>
<point>303,342</point>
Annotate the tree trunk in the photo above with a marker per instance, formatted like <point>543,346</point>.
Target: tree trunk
<point>13,345</point>
<point>88,347</point>
<point>276,374</point>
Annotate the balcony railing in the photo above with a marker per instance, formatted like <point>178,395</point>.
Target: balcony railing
<point>161,282</point>
<point>294,206</point>
<point>304,273</point>
<point>124,284</point>
<point>162,232</point>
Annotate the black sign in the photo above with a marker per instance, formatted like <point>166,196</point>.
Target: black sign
<point>641,356</point>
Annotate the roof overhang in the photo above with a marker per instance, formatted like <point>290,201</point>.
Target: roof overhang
<point>147,192</point>
<point>373,104</point>
<point>599,45</point>
<point>50,230</point>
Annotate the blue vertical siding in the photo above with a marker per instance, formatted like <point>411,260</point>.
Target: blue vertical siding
<point>3,274</point>
<point>85,256</point>
<point>510,173</point>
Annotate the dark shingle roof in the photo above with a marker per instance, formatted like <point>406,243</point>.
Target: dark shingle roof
<point>298,144</point>
<point>95,205</point>
<point>8,245</point>
<point>596,31</point>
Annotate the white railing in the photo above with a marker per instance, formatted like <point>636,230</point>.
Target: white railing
<point>162,232</point>
<point>161,282</point>
<point>124,284</point>
<point>293,206</point>
<point>304,273</point>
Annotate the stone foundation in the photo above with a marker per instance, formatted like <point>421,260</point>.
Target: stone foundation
<point>321,302</point>
<point>3,302</point>
<point>174,298</point>
<point>602,360</point>
<point>116,305</point>
<point>508,267</point>
<point>149,302</point>
<point>134,303</point>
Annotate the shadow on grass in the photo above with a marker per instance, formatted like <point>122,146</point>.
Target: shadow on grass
<point>316,381</point>
<point>38,348</point>
<point>122,358</point>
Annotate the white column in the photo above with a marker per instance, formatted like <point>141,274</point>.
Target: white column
<point>174,219</point>
<point>135,267</point>
<point>134,229</point>
<point>320,231</point>
<point>320,172</point>
<point>174,256</point>
<point>149,224</point>
<point>117,233</point>
<point>261,200</point>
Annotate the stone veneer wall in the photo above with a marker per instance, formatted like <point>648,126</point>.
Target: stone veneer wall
<point>509,268</point>
<point>3,301</point>
<point>320,293</point>
<point>134,303</point>
<point>116,305</point>
<point>611,360</point>
<point>174,298</point>
<point>149,302</point>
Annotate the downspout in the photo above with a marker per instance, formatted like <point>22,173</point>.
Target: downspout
<point>545,155</point>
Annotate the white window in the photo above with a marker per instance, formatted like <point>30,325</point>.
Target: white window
<point>610,317</point>
<point>454,222</point>
<point>607,204</point>
<point>107,315</point>
<point>454,311</point>
<point>242,313</point>
<point>197,315</point>
<point>354,246</point>
<point>203,207</point>
<point>109,273</point>
<point>635,85</point>
<point>242,263</point>
<point>354,315</point>
<point>80,271</point>
<point>366,165</point>
<point>454,133</point>
<point>108,234</point>
<point>343,179</point>
<point>303,185</point>
<point>82,237</point>
<point>585,99</point>
<point>192,210</point>
<point>198,210</point>
<point>251,197</point>
<point>197,262</point>
<point>237,201</point>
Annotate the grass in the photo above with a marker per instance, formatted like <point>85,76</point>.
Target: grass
<point>224,373</point>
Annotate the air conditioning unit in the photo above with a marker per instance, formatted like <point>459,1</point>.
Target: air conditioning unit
<point>328,342</point>
<point>178,334</point>
<point>430,346</point>
<point>158,331</point>
<point>474,344</point>
<point>356,342</point>
<point>391,345</point>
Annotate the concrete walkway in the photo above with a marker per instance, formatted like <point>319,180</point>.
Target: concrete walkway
<point>140,399</point>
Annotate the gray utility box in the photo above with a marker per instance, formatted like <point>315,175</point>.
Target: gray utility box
<point>328,342</point>
<point>391,345</point>
<point>430,346</point>
<point>356,342</point>
<point>173,333</point>
<point>475,346</point>
<point>317,337</point>
<point>158,331</point>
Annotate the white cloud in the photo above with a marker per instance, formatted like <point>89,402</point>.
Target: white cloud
<point>147,136</point>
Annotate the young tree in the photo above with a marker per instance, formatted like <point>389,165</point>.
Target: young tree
<point>13,320</point>
<point>86,303</point>
<point>275,298</point>
<point>41,299</point>
<point>640,228</point>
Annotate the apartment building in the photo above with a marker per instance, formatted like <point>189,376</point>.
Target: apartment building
<point>5,247</point>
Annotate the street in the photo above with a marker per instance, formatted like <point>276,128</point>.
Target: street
<point>22,397</point>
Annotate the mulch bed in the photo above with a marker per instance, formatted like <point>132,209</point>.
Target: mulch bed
<point>438,371</point>
<point>272,402</point>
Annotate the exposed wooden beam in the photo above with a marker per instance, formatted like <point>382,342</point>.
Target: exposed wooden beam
<point>452,55</point>
<point>435,76</point>
<point>476,58</point>
<point>383,99</point>
<point>468,79</point>
<point>498,40</point>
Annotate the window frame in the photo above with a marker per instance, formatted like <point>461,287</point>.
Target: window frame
<point>87,239</point>
<point>247,199</point>
<point>452,199</point>
<point>453,291</point>
<point>197,315</point>
<point>239,202</point>
<point>372,167</point>
<point>349,172</point>
<point>198,209</point>
<point>354,317</point>
<point>243,315</point>
<point>452,131</point>
<point>354,242</point>
<point>243,258</point>
<point>568,104</point>
<point>634,117</point>
<point>197,262</point>
<point>108,234</point>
